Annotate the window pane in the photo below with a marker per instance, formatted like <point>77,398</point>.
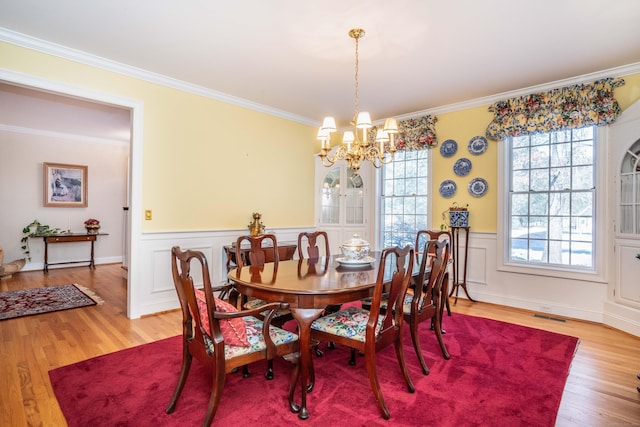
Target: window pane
<point>560,179</point>
<point>561,155</point>
<point>559,204</point>
<point>520,204</point>
<point>539,157</point>
<point>520,181</point>
<point>539,204</point>
<point>540,179</point>
<point>520,159</point>
<point>582,178</point>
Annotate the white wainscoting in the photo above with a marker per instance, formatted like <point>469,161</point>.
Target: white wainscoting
<point>571,298</point>
<point>578,299</point>
<point>156,291</point>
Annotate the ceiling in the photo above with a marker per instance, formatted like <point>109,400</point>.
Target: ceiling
<point>295,56</point>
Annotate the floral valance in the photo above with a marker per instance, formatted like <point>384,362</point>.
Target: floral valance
<point>563,108</point>
<point>413,134</point>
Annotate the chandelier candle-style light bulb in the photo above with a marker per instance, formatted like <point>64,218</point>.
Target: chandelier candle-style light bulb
<point>353,149</point>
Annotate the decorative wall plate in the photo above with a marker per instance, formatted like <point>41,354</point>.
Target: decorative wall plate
<point>448,148</point>
<point>448,188</point>
<point>478,145</point>
<point>478,187</point>
<point>462,167</point>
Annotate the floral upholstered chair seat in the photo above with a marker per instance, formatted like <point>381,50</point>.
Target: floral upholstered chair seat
<point>255,339</point>
<point>408,299</point>
<point>350,322</point>
<point>257,303</point>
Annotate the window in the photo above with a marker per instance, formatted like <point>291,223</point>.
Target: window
<point>404,197</point>
<point>551,199</point>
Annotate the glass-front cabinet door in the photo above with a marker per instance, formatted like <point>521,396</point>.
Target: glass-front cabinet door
<point>342,203</point>
<point>624,151</point>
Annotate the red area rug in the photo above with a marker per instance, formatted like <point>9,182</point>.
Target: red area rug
<point>499,374</point>
<point>26,302</point>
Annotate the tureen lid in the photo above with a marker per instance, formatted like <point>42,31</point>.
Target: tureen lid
<point>356,241</point>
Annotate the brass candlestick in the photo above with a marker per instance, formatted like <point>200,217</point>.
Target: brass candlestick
<point>256,228</point>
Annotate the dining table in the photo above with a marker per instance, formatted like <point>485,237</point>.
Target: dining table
<point>309,286</point>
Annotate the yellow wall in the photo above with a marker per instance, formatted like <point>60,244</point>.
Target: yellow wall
<point>461,126</point>
<point>209,165</point>
<point>206,164</point>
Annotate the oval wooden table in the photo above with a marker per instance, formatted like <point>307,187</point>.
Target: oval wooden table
<point>308,287</point>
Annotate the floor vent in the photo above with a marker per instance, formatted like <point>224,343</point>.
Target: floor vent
<point>541,316</point>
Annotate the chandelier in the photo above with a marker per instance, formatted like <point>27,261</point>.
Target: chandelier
<point>356,145</point>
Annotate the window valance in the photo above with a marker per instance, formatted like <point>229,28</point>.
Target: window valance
<point>563,108</point>
<point>413,134</point>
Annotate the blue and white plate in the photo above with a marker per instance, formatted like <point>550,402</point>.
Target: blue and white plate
<point>478,145</point>
<point>448,188</point>
<point>462,167</point>
<point>478,187</point>
<point>448,148</point>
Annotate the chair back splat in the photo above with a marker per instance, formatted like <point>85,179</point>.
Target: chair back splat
<point>218,335</point>
<point>259,254</point>
<point>422,237</point>
<point>314,242</point>
<point>369,331</point>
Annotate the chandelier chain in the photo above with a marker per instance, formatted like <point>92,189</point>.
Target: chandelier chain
<point>357,106</point>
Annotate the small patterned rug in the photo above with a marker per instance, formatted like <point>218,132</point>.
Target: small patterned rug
<point>26,302</point>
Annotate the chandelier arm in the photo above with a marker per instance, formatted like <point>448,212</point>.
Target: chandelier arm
<point>326,161</point>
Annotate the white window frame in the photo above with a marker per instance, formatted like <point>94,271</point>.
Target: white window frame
<point>600,217</point>
<point>379,214</point>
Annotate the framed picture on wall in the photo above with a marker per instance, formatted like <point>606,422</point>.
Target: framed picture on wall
<point>65,185</point>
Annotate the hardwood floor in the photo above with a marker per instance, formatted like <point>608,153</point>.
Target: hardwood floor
<point>600,390</point>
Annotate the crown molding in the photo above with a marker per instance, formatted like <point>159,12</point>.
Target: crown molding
<point>75,55</point>
<point>64,52</point>
<point>621,71</point>
<point>63,135</point>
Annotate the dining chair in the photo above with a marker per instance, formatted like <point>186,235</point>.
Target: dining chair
<point>422,236</point>
<point>423,303</point>
<point>369,331</point>
<point>262,249</point>
<point>313,244</point>
<point>218,335</point>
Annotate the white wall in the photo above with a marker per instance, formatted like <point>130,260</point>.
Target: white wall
<point>21,194</point>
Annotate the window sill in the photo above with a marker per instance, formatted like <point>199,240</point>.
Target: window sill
<point>547,271</point>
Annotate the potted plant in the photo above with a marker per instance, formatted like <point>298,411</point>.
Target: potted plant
<point>92,225</point>
<point>35,229</point>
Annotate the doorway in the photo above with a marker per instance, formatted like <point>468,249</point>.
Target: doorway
<point>74,96</point>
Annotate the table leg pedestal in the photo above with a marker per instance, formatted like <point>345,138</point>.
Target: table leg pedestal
<point>305,317</point>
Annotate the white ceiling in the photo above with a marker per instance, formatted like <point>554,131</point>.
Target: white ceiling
<point>295,55</point>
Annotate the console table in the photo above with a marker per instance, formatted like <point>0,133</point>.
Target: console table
<point>69,238</point>
<point>455,244</point>
<point>286,252</point>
